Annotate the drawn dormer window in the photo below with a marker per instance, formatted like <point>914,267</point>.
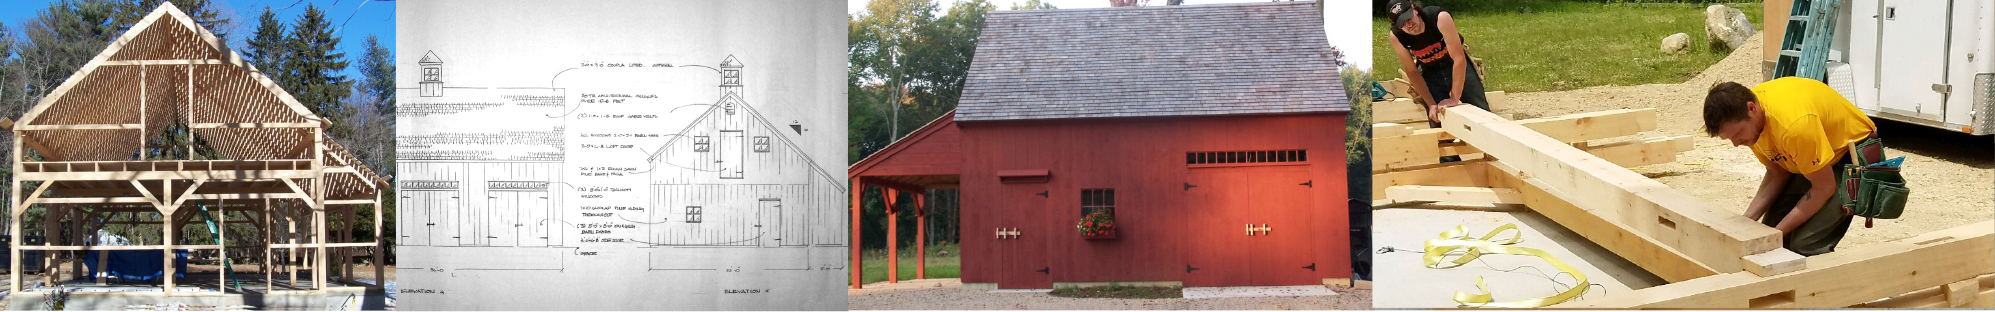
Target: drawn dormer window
<point>432,74</point>
<point>761,144</point>
<point>702,144</point>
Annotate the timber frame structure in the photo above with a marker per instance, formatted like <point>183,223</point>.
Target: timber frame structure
<point>1711,257</point>
<point>81,156</point>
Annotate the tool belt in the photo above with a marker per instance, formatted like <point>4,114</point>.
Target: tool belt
<point>1873,187</point>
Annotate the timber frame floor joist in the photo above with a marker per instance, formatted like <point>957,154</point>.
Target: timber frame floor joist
<point>97,152</point>
<point>1713,258</point>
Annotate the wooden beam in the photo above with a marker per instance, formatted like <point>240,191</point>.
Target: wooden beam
<point>1453,194</point>
<point>82,127</point>
<point>1962,292</point>
<point>1939,297</point>
<point>1452,174</point>
<point>215,125</point>
<point>1405,145</point>
<point>1714,237</point>
<point>1838,279</point>
<point>163,62</point>
<point>1398,111</point>
<point>225,174</point>
<point>1623,240</point>
<point>1776,262</point>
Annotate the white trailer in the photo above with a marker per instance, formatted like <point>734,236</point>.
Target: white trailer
<point>1925,62</point>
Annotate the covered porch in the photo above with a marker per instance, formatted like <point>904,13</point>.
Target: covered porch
<point>930,158</point>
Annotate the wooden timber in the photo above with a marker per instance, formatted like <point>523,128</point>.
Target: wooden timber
<point>1711,236</point>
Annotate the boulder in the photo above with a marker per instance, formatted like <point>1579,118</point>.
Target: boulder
<point>1726,28</point>
<point>1676,44</point>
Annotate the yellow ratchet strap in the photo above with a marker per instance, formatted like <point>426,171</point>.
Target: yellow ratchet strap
<point>1437,257</point>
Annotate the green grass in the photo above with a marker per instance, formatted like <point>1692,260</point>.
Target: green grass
<point>1540,45</point>
<point>1120,291</point>
<point>939,266</point>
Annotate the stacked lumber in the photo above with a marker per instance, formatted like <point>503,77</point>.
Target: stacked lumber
<point>1561,168</point>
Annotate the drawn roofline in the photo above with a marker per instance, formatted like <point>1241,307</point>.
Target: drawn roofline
<point>758,119</point>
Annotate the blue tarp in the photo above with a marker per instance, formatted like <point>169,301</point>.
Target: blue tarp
<point>138,265</point>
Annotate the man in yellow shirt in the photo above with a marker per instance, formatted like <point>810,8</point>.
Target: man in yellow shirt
<point>1800,129</point>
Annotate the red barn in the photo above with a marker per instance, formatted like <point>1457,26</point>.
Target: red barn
<point>1213,134</point>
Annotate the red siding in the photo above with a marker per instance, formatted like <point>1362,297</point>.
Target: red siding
<point>1162,227</point>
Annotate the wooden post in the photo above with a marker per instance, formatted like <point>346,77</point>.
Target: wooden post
<point>221,228</point>
<point>893,237</point>
<point>318,208</point>
<point>166,224</point>
<point>380,245</point>
<point>857,266</point>
<point>269,236</point>
<point>14,219</point>
<point>921,235</point>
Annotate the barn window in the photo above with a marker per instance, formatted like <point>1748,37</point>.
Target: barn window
<point>702,144</point>
<point>761,144</point>
<point>1247,157</point>
<point>432,74</point>
<point>1097,200</point>
<point>694,214</point>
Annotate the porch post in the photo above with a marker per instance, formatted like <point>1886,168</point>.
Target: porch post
<point>893,237</point>
<point>857,266</point>
<point>921,235</point>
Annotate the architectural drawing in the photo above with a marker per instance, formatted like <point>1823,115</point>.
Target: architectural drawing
<point>686,177</point>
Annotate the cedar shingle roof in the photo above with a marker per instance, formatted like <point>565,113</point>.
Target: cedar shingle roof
<point>1269,58</point>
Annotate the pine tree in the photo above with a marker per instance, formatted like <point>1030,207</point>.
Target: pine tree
<point>314,65</point>
<point>265,47</point>
<point>377,70</point>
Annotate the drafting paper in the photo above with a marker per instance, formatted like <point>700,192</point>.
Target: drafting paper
<point>621,155</point>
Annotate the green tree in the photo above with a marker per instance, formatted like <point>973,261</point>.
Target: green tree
<point>203,12</point>
<point>377,70</point>
<point>266,46</point>
<point>314,65</point>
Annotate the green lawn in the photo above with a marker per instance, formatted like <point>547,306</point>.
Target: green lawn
<point>939,266</point>
<point>1121,291</point>
<point>1540,45</point>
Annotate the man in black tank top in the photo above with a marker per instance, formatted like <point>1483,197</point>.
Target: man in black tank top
<point>1434,58</point>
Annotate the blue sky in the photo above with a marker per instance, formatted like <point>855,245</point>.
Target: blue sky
<point>361,18</point>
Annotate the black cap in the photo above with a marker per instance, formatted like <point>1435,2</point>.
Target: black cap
<point>1401,10</point>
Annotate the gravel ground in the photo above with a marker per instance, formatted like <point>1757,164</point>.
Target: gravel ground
<point>1952,175</point>
<point>951,298</point>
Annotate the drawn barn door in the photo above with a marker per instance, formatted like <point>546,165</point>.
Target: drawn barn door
<point>771,225</point>
<point>731,154</point>
<point>1026,265</point>
<point>1281,253</point>
<point>476,227</point>
<point>505,207</point>
<point>1216,237</point>
<point>426,215</point>
<point>519,210</point>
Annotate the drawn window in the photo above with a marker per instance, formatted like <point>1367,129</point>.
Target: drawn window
<point>694,214</point>
<point>702,144</point>
<point>761,144</point>
<point>432,74</point>
<point>1097,200</point>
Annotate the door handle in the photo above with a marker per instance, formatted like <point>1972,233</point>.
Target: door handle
<point>1260,230</point>
<point>1002,233</point>
<point>1250,229</point>
<point>1265,229</point>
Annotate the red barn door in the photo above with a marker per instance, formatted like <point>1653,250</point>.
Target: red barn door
<point>1281,203</point>
<point>1216,250</point>
<point>1025,261</point>
<point>1227,209</point>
